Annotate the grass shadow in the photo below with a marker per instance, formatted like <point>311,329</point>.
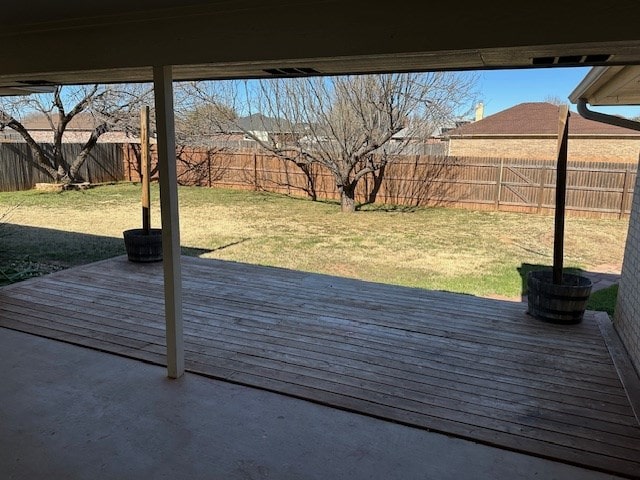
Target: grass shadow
<point>388,208</point>
<point>27,252</point>
<point>194,251</point>
<point>197,252</point>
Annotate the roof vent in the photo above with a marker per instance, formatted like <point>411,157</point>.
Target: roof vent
<point>572,60</point>
<point>292,71</point>
<point>597,58</point>
<point>36,83</point>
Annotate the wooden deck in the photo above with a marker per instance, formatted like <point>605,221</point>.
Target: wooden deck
<point>471,367</point>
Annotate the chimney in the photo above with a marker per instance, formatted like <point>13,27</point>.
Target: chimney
<point>479,111</point>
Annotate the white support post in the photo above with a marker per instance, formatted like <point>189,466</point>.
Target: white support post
<point>163,91</point>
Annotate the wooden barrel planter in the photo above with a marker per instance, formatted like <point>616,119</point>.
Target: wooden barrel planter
<point>142,246</point>
<point>564,303</point>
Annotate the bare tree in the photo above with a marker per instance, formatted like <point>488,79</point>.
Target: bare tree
<point>556,100</point>
<point>351,125</point>
<point>106,108</point>
<point>199,142</point>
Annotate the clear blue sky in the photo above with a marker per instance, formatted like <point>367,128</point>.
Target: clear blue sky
<point>501,89</point>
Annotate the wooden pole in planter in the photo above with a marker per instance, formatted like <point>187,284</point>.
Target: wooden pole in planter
<point>561,194</point>
<point>145,170</point>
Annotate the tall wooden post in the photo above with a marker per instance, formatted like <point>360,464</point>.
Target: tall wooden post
<point>561,194</point>
<point>145,170</point>
<point>163,91</point>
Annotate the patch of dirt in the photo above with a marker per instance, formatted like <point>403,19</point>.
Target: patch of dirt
<point>505,298</point>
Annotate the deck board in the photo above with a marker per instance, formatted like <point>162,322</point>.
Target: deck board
<point>477,368</point>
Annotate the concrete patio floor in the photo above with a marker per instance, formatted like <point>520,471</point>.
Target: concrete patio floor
<point>74,413</point>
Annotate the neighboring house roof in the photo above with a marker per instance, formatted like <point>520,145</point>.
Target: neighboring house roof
<point>38,121</point>
<point>263,123</point>
<point>403,134</point>
<point>78,130</point>
<point>535,119</point>
<point>444,130</point>
<point>417,131</point>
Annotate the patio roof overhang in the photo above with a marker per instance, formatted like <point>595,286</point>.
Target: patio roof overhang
<point>615,85</point>
<point>73,42</point>
<point>24,90</point>
<point>87,42</point>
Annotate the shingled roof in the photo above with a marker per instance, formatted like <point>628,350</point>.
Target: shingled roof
<point>38,121</point>
<point>535,118</point>
<point>260,122</point>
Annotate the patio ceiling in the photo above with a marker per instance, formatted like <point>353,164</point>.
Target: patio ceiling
<point>85,42</point>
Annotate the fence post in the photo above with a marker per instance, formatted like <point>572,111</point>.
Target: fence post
<point>366,187</point>
<point>625,190</point>
<point>499,183</point>
<point>87,165</point>
<point>255,171</point>
<point>543,177</point>
<point>128,150</point>
<point>286,176</point>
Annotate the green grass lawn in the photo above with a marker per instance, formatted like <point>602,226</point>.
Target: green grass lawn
<point>604,300</point>
<point>479,253</point>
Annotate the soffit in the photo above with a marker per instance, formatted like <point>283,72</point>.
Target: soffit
<point>618,85</point>
<point>85,42</point>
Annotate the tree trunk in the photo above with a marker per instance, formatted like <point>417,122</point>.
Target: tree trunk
<point>62,176</point>
<point>347,198</point>
<point>377,183</point>
<point>74,169</point>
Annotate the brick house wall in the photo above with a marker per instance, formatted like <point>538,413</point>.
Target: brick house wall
<point>627,312</point>
<point>535,148</point>
<point>541,147</point>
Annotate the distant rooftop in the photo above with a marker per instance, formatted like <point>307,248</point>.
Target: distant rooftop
<point>260,122</point>
<point>38,121</point>
<point>535,118</point>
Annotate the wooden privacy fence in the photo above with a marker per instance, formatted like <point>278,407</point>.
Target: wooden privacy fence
<point>19,170</point>
<point>602,189</point>
<point>594,188</point>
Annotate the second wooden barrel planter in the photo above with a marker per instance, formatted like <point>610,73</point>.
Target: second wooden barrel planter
<point>143,246</point>
<point>564,303</point>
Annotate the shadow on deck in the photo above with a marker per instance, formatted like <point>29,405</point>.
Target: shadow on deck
<point>476,368</point>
